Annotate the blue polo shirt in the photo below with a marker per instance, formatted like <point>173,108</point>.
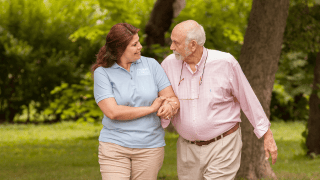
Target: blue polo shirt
<point>136,88</point>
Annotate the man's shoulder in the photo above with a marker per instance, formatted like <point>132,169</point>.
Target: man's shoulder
<point>170,60</point>
<point>220,56</point>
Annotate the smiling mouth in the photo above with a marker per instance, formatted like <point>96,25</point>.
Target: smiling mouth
<point>138,53</point>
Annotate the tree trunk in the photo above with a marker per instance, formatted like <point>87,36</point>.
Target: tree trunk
<point>313,139</point>
<point>160,20</point>
<point>259,58</point>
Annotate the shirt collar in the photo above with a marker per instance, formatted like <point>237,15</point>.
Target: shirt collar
<point>116,65</point>
<point>202,60</point>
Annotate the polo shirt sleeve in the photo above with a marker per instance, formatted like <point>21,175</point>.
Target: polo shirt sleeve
<point>102,86</point>
<point>159,75</point>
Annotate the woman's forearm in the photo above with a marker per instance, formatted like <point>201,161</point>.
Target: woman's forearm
<point>129,113</point>
<point>112,110</point>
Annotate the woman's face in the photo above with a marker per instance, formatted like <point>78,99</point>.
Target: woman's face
<point>133,51</point>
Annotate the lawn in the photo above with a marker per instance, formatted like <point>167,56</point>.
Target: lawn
<point>68,151</point>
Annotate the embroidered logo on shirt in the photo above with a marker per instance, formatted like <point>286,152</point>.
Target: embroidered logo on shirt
<point>143,72</point>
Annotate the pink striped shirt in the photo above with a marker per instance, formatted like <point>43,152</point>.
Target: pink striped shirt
<point>213,108</point>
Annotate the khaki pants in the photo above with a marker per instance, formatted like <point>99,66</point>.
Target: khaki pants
<point>122,163</point>
<point>219,160</point>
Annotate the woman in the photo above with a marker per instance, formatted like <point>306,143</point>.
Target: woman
<point>126,88</point>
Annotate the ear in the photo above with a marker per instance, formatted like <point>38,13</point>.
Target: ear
<point>193,45</point>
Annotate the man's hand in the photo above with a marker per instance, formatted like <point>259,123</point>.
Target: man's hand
<point>165,111</point>
<point>270,146</point>
<point>174,103</point>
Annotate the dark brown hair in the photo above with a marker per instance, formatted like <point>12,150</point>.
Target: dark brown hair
<point>117,41</point>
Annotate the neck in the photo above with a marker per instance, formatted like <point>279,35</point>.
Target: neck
<point>195,57</point>
<point>125,65</point>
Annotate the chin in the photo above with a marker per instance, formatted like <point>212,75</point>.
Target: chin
<point>137,58</point>
<point>178,57</point>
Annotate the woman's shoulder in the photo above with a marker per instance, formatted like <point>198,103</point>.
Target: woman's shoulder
<point>148,59</point>
<point>101,71</point>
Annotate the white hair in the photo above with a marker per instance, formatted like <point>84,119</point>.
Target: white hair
<point>197,33</point>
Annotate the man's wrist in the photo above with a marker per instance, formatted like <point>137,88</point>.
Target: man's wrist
<point>268,133</point>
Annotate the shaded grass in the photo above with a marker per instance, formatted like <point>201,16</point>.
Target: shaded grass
<point>292,163</point>
<point>69,151</point>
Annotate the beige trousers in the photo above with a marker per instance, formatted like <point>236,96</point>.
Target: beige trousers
<point>122,163</point>
<point>219,160</point>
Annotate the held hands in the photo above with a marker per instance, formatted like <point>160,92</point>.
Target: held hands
<point>270,146</point>
<point>168,109</point>
<point>157,103</point>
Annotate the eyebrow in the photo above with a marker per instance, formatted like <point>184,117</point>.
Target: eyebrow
<point>136,41</point>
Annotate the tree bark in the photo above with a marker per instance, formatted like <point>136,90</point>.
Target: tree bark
<point>160,20</point>
<point>313,138</point>
<point>259,58</point>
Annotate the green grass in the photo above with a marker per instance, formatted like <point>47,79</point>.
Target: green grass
<point>69,151</point>
<point>291,162</point>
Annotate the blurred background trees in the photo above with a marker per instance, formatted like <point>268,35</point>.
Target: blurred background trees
<point>47,48</point>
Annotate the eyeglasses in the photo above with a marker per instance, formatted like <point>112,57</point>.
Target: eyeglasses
<point>200,81</point>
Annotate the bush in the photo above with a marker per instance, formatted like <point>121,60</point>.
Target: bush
<point>75,102</point>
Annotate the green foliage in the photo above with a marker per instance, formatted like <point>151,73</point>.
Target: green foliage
<point>36,54</point>
<point>14,55</point>
<point>224,22</point>
<point>108,13</point>
<point>292,88</point>
<point>302,36</point>
<point>303,28</point>
<point>75,102</point>
<point>303,143</point>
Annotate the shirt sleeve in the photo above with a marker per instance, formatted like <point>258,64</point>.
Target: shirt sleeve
<point>102,87</point>
<point>249,102</point>
<point>164,122</point>
<point>159,75</point>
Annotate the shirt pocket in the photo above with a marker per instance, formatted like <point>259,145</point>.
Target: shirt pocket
<point>216,90</point>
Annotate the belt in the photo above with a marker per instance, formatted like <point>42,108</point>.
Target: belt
<point>201,143</point>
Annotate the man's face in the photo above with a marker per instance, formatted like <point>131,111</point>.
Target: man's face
<point>178,46</point>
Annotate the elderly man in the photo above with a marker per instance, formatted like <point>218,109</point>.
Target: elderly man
<point>211,88</point>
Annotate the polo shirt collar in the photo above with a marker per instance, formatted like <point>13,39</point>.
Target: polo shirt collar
<point>116,65</point>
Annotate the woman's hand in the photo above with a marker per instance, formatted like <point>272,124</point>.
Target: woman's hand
<point>157,103</point>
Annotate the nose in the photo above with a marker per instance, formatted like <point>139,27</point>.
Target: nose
<point>140,46</point>
<point>172,47</point>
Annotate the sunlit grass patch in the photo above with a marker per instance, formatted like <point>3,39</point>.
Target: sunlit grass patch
<point>69,151</point>
<point>292,163</point>
<point>34,134</point>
